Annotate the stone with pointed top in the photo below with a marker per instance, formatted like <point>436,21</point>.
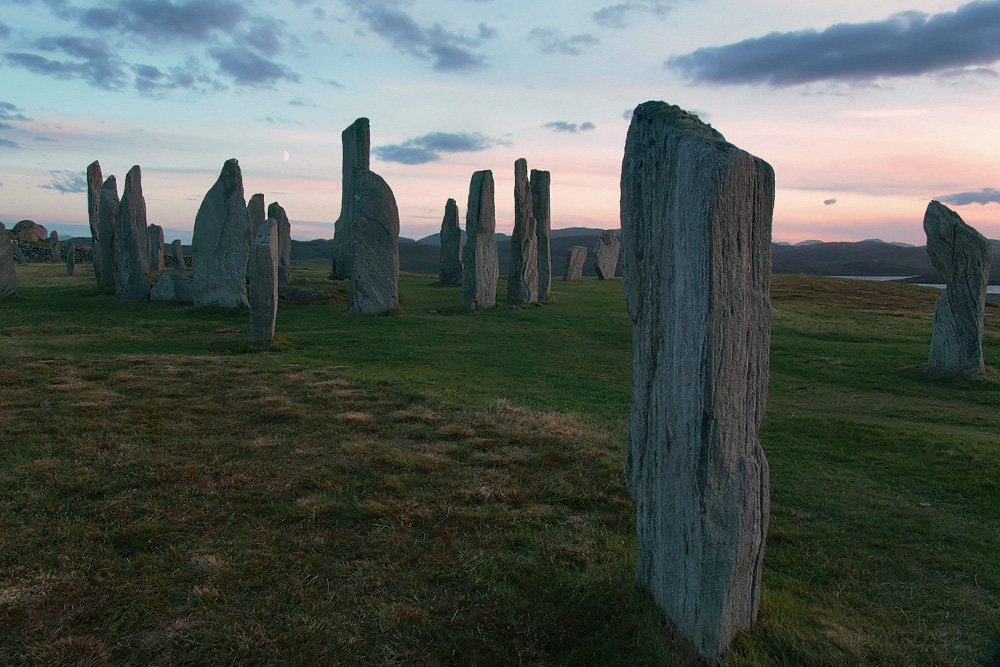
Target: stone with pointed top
<point>480,262</point>
<point>132,279</point>
<point>375,255</point>
<point>575,259</point>
<point>450,259</point>
<point>221,243</point>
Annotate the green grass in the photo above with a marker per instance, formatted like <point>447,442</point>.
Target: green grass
<point>448,488</point>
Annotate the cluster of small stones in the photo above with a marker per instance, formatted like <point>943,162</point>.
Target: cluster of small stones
<point>356,141</point>
<point>522,278</point>
<point>8,275</point>
<point>606,255</point>
<point>450,264</point>
<point>221,243</point>
<point>697,276</point>
<point>481,265</point>
<point>575,259</point>
<point>541,209</point>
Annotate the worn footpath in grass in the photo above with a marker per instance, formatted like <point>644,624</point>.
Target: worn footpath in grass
<point>448,488</point>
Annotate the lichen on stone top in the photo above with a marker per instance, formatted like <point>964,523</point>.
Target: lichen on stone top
<point>674,115</point>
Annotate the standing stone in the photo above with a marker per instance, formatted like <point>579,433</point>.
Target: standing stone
<point>94,181</point>
<point>481,264</point>
<point>375,263</point>
<point>356,141</point>
<point>18,255</point>
<point>177,256</point>
<point>54,246</point>
<point>263,277</point>
<point>132,280</point>
<point>575,260</point>
<point>156,248</point>
<point>696,221</point>
<point>606,255</point>
<point>174,287</point>
<point>8,274</point>
<point>255,211</point>
<point>284,241</point>
<point>70,258</point>
<point>221,243</point>
<point>963,255</point>
<point>450,262</point>
<point>522,279</point>
<point>107,213</point>
<point>541,209</point>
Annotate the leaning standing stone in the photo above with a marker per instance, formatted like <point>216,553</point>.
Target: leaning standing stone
<point>8,274</point>
<point>107,213</point>
<point>155,248</point>
<point>18,255</point>
<point>375,263</point>
<point>255,211</point>
<point>177,256</point>
<point>575,260</point>
<point>450,261</point>
<point>696,222</point>
<point>522,281</point>
<point>132,280</point>
<point>963,255</point>
<point>54,246</point>
<point>284,241</point>
<point>221,243</point>
<point>540,208</point>
<point>606,255</point>
<point>94,181</point>
<point>70,258</point>
<point>263,276</point>
<point>356,141</point>
<point>481,266</point>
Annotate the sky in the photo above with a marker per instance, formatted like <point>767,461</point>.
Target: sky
<point>866,109</point>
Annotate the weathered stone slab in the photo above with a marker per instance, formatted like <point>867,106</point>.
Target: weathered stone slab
<point>575,259</point>
<point>375,255</point>
<point>107,213</point>
<point>541,209</point>
<point>8,274</point>
<point>522,279</point>
<point>54,246</point>
<point>255,211</point>
<point>696,222</point>
<point>221,243</point>
<point>18,255</point>
<point>963,255</point>
<point>450,261</point>
<point>155,248</point>
<point>356,141</point>
<point>29,230</point>
<point>480,261</point>
<point>173,287</point>
<point>132,279</point>
<point>177,257</point>
<point>284,241</point>
<point>70,258</point>
<point>606,255</point>
<point>263,276</point>
<point>94,182</point>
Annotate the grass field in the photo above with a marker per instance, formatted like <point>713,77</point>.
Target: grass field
<point>448,488</point>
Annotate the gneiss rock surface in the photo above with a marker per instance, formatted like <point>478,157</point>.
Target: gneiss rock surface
<point>575,259</point>
<point>963,255</point>
<point>606,255</point>
<point>177,256</point>
<point>356,141</point>
<point>375,241</point>
<point>696,223</point>
<point>54,246</point>
<point>18,255</point>
<point>221,243</point>
<point>107,213</point>
<point>132,279</point>
<point>255,211</point>
<point>8,274</point>
<point>173,287</point>
<point>522,281</point>
<point>94,182</point>
<point>541,209</point>
<point>155,248</point>
<point>480,262</point>
<point>450,262</point>
<point>284,241</point>
<point>263,275</point>
<point>70,258</point>
<point>29,230</point>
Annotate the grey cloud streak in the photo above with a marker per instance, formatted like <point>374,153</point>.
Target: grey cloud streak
<point>616,16</point>
<point>551,40</point>
<point>421,150</point>
<point>564,126</point>
<point>982,197</point>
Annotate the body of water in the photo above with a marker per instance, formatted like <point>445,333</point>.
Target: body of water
<point>990,289</point>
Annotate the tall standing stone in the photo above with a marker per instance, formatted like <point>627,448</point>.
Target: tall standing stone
<point>450,261</point>
<point>8,274</point>
<point>156,262</point>
<point>54,246</point>
<point>221,243</point>
<point>480,262</point>
<point>94,182</point>
<point>107,213</point>
<point>284,241</point>
<point>522,279</point>
<point>132,279</point>
<point>963,255</point>
<point>375,263</point>
<point>541,209</point>
<point>696,221</point>
<point>356,141</point>
<point>177,256</point>
<point>255,211</point>
<point>606,255</point>
<point>575,259</point>
<point>70,258</point>
<point>263,276</point>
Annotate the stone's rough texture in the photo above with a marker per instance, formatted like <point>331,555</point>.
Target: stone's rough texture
<point>284,241</point>
<point>177,256</point>
<point>606,255</point>
<point>356,141</point>
<point>8,275</point>
<point>155,248</point>
<point>481,264</point>
<point>107,213</point>
<point>450,264</point>
<point>375,263</point>
<point>963,255</point>
<point>255,211</point>
<point>173,287</point>
<point>575,260</point>
<point>263,276</point>
<point>29,230</point>
<point>541,209</point>
<point>522,281</point>
<point>70,258</point>
<point>94,182</point>
<point>18,255</point>
<point>54,246</point>
<point>132,279</point>
<point>221,243</point>
<point>696,222</point>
